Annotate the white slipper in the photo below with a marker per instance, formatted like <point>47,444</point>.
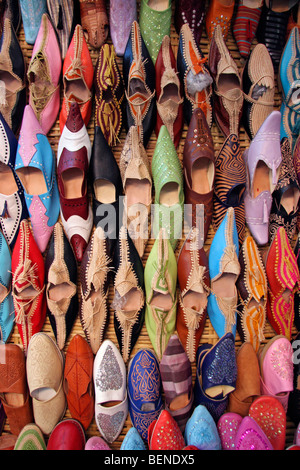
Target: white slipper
<point>111,402</point>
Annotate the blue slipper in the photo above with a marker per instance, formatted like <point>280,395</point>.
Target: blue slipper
<point>224,269</point>
<point>32,12</point>
<point>216,375</point>
<point>144,391</point>
<point>133,441</point>
<point>201,430</point>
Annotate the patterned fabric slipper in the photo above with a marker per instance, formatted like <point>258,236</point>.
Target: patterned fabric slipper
<point>252,288</point>
<point>230,184</point>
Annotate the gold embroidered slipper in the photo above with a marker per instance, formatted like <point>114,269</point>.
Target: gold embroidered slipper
<point>109,94</point>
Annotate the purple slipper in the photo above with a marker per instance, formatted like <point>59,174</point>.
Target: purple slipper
<point>122,14</point>
<point>96,443</point>
<point>250,436</point>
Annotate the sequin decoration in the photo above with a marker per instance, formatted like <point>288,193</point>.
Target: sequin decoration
<point>110,425</point>
<point>109,376</point>
<point>166,434</point>
<point>227,427</point>
<point>269,413</point>
<point>281,360</point>
<point>251,440</point>
<point>154,24</point>
<point>202,431</point>
<point>223,367</point>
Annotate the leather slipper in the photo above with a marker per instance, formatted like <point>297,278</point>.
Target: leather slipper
<point>276,369</point>
<point>268,412</point>
<point>144,391</point>
<point>250,436</point>
<point>164,433</point>
<point>228,426</point>
<point>215,375</point>
<point>111,402</point>
<point>248,380</point>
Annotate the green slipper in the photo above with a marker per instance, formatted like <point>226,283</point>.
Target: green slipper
<point>168,183</point>
<point>30,438</point>
<point>161,297</point>
<point>155,23</point>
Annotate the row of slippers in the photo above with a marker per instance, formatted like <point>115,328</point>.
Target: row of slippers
<point>225,92</point>
<point>145,85</point>
<point>188,57</point>
<point>248,20</point>
<point>76,118</point>
<point>233,287</point>
<point>233,433</point>
<point>44,190</point>
<point>45,68</point>
<point>63,15</point>
<point>225,193</point>
<point>222,283</point>
<point>230,386</point>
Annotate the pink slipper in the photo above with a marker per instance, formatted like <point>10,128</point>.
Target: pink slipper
<point>250,436</point>
<point>228,426</point>
<point>96,443</point>
<point>276,369</point>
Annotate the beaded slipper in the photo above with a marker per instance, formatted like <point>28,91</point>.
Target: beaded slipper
<point>110,388</point>
<point>269,413</point>
<point>276,369</point>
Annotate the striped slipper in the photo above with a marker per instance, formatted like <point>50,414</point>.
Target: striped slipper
<point>176,376</point>
<point>30,438</point>
<point>230,185</point>
<point>62,14</point>
<point>245,26</point>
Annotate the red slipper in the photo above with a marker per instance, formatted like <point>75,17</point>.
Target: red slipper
<point>164,433</point>
<point>269,413</point>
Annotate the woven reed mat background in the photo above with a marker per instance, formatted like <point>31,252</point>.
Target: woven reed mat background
<point>209,334</point>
